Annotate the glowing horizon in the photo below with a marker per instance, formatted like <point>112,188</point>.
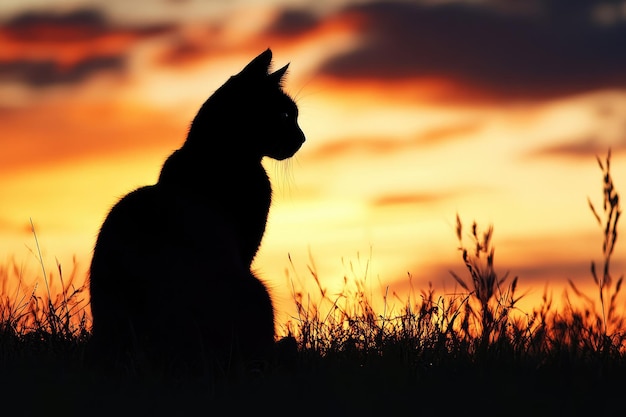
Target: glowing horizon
<point>92,103</point>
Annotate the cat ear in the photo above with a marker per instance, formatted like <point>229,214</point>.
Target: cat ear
<point>259,65</point>
<point>277,76</point>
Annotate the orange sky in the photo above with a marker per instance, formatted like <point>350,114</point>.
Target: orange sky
<point>413,111</point>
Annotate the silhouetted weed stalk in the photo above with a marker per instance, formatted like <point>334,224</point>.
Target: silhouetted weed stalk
<point>486,314</point>
<point>479,323</point>
<point>54,316</point>
<point>607,322</point>
<point>482,322</point>
<point>612,212</point>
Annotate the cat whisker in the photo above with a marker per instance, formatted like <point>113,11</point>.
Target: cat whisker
<point>283,175</point>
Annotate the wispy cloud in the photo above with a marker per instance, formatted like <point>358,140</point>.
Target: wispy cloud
<point>410,199</point>
<point>380,146</point>
<point>584,148</point>
<point>608,131</point>
<point>538,275</point>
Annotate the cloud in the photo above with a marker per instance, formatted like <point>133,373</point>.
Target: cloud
<point>380,145</point>
<point>292,22</point>
<point>609,132</point>
<point>444,134</point>
<point>182,51</point>
<point>214,38</point>
<point>409,199</point>
<point>351,146</point>
<point>45,48</point>
<point>582,148</point>
<point>44,72</point>
<point>545,51</point>
<point>64,132</point>
<point>532,279</point>
<point>78,24</point>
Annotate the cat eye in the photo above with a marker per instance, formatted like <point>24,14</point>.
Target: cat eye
<point>284,115</point>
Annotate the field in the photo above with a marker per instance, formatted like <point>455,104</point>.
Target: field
<point>472,352</point>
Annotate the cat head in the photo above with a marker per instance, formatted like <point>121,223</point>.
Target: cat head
<point>250,115</point>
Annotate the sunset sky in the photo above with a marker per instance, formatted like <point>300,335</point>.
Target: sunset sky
<point>414,111</point>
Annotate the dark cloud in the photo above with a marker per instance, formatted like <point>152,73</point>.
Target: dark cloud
<point>189,48</point>
<point>45,48</point>
<point>556,49</point>
<point>292,22</point>
<point>184,49</point>
<point>40,73</point>
<point>181,51</point>
<point>37,26</point>
<point>583,148</point>
<point>577,271</point>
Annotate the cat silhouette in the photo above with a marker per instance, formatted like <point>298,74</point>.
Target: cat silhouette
<point>170,280</point>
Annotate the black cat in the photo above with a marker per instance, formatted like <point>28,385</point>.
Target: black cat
<point>170,280</point>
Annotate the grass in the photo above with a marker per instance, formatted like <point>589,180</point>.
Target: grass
<point>471,351</point>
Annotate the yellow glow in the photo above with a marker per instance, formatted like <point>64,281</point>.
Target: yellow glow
<point>386,167</point>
